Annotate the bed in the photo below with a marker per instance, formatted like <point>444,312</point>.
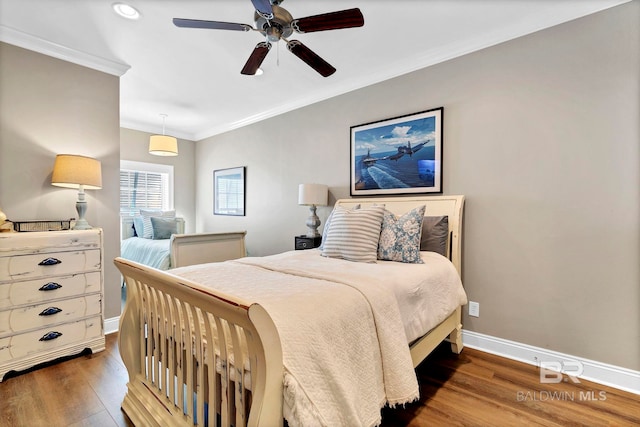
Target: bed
<point>297,336</point>
<point>175,248</point>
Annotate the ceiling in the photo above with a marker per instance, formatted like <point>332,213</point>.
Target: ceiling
<point>193,75</point>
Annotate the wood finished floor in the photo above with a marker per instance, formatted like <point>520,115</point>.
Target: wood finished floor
<point>470,389</point>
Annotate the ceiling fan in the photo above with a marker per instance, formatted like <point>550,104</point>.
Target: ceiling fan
<point>276,23</point>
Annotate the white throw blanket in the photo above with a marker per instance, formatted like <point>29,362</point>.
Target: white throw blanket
<point>345,352</point>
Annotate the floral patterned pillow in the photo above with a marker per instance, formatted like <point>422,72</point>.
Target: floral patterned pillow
<point>400,237</point>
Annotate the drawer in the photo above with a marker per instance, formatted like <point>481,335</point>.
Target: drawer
<point>52,288</point>
<point>48,264</point>
<point>51,313</point>
<point>304,242</point>
<point>30,344</point>
<point>12,244</point>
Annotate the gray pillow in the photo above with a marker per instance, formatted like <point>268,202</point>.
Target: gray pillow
<point>435,234</point>
<point>148,213</point>
<point>163,228</point>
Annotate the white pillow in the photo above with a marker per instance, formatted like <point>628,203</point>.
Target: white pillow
<point>146,219</point>
<point>354,234</point>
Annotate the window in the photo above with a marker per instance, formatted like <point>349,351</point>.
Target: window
<point>146,186</point>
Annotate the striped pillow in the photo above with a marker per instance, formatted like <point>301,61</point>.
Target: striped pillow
<point>327,223</point>
<point>146,219</point>
<point>354,234</point>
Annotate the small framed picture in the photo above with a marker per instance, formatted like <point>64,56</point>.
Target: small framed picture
<point>229,191</point>
<point>402,155</point>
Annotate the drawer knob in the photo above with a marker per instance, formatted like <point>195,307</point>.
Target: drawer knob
<point>50,336</point>
<point>50,311</point>
<point>51,286</point>
<point>50,261</point>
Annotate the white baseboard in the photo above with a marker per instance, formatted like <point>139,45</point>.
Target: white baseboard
<point>111,325</point>
<point>597,372</point>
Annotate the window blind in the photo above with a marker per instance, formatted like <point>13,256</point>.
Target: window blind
<point>143,190</point>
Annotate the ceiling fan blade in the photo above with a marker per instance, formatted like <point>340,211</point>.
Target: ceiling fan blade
<point>211,25</point>
<point>263,7</point>
<point>256,58</point>
<point>329,21</point>
<point>311,58</point>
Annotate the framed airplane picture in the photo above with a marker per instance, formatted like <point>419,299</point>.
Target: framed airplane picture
<point>402,155</point>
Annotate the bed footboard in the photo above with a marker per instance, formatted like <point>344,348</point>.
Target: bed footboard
<point>195,356</point>
<point>200,248</point>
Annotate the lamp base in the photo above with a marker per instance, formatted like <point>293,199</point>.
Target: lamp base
<point>313,222</point>
<point>81,208</point>
<point>82,225</point>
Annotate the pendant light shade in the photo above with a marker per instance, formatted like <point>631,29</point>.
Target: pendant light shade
<point>163,145</point>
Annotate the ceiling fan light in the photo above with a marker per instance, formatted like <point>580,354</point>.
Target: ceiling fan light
<point>126,11</point>
<point>163,145</point>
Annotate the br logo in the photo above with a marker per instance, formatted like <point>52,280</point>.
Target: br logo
<point>553,372</point>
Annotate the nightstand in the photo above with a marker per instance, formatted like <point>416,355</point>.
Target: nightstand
<point>304,242</point>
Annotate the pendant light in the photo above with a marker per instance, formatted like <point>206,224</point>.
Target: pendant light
<point>163,145</point>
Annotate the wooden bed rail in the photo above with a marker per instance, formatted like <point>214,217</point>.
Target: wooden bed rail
<point>196,356</point>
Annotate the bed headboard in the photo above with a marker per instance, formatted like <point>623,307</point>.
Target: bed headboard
<point>452,206</point>
<point>126,226</point>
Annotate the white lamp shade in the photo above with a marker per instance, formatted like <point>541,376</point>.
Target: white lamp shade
<point>72,171</point>
<point>313,194</point>
<point>163,145</point>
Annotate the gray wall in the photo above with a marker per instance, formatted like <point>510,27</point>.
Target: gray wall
<point>49,107</point>
<point>134,145</point>
<point>540,133</point>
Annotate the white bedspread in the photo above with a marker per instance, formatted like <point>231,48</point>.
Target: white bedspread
<point>345,352</point>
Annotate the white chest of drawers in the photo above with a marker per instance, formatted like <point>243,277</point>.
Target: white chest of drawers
<point>51,293</point>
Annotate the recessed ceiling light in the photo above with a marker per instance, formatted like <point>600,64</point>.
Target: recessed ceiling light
<point>126,11</point>
<point>259,72</point>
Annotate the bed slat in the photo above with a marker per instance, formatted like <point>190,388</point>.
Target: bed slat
<point>184,381</point>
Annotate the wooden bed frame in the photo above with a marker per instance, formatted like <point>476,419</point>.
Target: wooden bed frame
<point>233,374</point>
<point>197,248</point>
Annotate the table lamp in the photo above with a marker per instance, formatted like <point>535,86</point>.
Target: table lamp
<point>83,173</point>
<point>313,195</point>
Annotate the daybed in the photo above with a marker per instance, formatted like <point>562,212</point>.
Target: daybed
<point>177,249</point>
<point>313,339</point>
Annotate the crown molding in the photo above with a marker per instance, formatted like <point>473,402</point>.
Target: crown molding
<point>153,129</point>
<point>37,44</point>
<point>437,55</point>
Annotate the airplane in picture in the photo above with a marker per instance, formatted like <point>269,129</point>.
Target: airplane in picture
<point>407,149</point>
<point>368,160</point>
